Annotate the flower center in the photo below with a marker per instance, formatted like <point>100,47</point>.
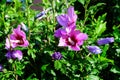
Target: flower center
<point>71,42</point>
<point>20,38</point>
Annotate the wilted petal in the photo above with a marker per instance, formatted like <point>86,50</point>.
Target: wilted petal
<point>103,41</point>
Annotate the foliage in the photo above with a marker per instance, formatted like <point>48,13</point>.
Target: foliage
<point>37,62</point>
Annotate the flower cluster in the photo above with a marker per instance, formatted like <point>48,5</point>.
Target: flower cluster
<point>69,36</point>
<point>17,38</point>
<point>72,38</point>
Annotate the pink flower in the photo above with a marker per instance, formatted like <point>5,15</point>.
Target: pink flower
<point>68,20</point>
<point>17,38</point>
<point>73,40</point>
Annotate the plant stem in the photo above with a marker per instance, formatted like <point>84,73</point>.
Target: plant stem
<point>86,15</point>
<point>28,23</point>
<point>16,76</point>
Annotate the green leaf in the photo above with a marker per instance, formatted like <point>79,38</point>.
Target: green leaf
<point>94,71</point>
<point>118,50</point>
<point>115,69</point>
<point>19,72</point>
<point>31,77</point>
<point>53,73</point>
<point>1,33</point>
<point>71,54</point>
<point>57,65</point>
<point>82,1</point>
<point>44,67</point>
<point>106,47</point>
<point>106,60</point>
<point>92,77</point>
<point>100,28</point>
<point>91,60</point>
<point>31,52</point>
<point>95,8</point>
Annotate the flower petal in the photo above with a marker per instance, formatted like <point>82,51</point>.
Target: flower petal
<point>71,13</point>
<point>75,48</point>
<point>17,54</point>
<point>81,36</point>
<point>62,42</point>
<point>62,20</point>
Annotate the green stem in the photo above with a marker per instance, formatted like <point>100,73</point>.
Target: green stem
<point>86,15</point>
<point>88,55</point>
<point>14,67</point>
<point>28,23</point>
<point>66,2</point>
<point>53,10</point>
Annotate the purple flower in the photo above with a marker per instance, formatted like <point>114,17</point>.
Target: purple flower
<point>57,56</point>
<point>17,38</point>
<point>1,68</point>
<point>73,40</point>
<point>14,54</point>
<point>68,20</point>
<point>103,41</point>
<point>94,49</point>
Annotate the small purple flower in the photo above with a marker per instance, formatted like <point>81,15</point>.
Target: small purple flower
<point>17,38</point>
<point>103,41</point>
<point>14,54</point>
<point>94,49</point>
<point>57,56</point>
<point>1,68</point>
